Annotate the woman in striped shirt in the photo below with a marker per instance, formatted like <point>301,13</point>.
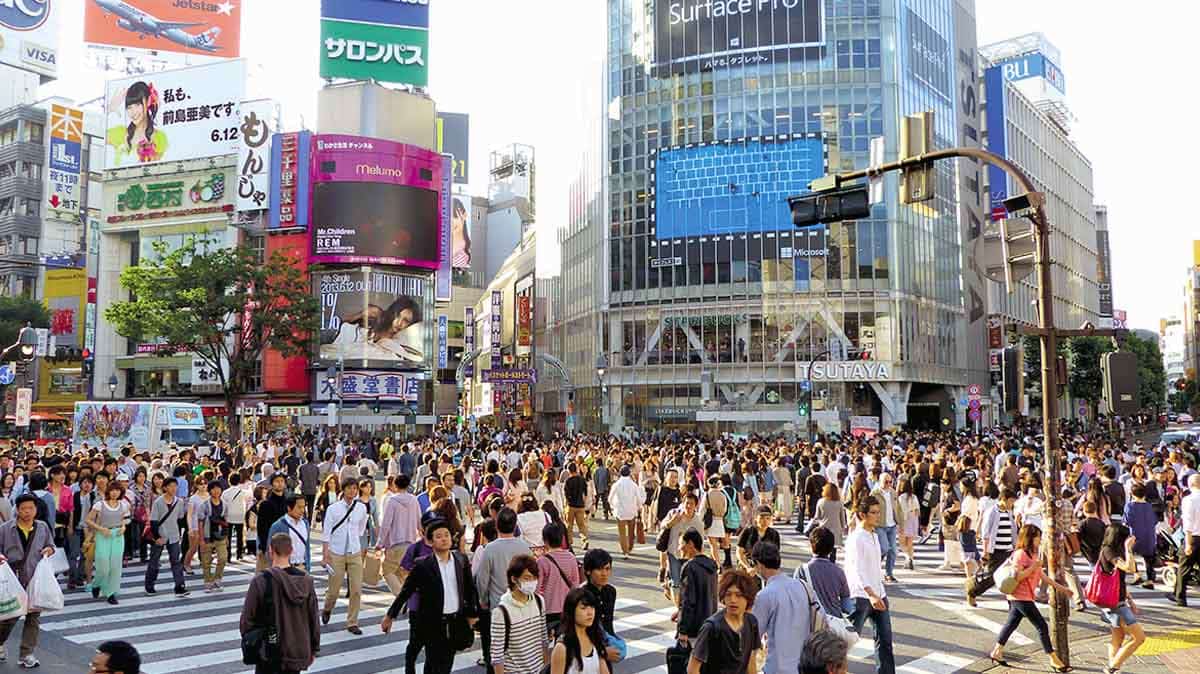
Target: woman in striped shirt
<point>519,622</point>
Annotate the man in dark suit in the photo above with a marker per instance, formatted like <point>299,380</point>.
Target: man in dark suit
<point>446,596</point>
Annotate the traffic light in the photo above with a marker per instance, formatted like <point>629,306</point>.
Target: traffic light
<point>804,401</point>
<point>916,139</point>
<point>835,205</point>
<point>87,368</point>
<point>1120,371</point>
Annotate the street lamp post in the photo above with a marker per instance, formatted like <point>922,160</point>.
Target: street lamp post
<point>26,342</point>
<point>1059,606</point>
<point>601,370</point>
<point>112,387</point>
<point>333,377</point>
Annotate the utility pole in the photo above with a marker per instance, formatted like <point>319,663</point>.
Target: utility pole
<point>832,200</point>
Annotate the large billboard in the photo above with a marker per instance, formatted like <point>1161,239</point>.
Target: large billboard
<point>376,316</point>
<point>179,197</point>
<point>699,35</point>
<point>198,27</point>
<point>64,163</point>
<point>291,180</point>
<point>454,137</point>
<point>733,186</point>
<point>376,40</point>
<point>65,294</point>
<point>174,115</point>
<point>29,35</point>
<point>376,201</point>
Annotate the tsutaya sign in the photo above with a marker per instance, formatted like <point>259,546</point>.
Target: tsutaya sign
<point>844,370</point>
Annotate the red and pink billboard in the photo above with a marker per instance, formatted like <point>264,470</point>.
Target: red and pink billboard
<point>375,202</point>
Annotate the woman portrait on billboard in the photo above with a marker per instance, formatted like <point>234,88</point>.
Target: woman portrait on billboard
<point>460,237</point>
<point>393,333</point>
<point>138,140</point>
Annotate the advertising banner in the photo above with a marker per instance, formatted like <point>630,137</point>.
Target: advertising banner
<point>864,427</point>
<point>928,53</point>
<point>443,336</point>
<point>413,13</point>
<point>371,385</point>
<point>524,324</point>
<point>995,333</point>
<point>205,378</point>
<point>497,305</point>
<point>198,27</point>
<point>174,115</point>
<point>370,51</point>
<point>443,283</point>
<point>469,340</point>
<point>65,163</point>
<point>29,35</point>
<point>691,185</point>
<point>171,196</point>
<point>375,201</point>
<point>290,184</point>
<point>65,297</point>
<point>258,123</point>
<point>1104,273</point>
<point>24,405</point>
<point>453,137</point>
<point>700,35</point>
<point>373,315</point>
<point>993,83</point>
<point>460,231</point>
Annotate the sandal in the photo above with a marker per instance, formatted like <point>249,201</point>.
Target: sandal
<point>999,661</point>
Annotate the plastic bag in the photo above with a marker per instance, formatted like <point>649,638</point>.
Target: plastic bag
<point>13,600</point>
<point>61,564</point>
<point>44,592</point>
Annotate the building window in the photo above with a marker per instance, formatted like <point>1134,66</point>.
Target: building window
<point>6,206</point>
<point>31,170</point>
<point>29,245</point>
<point>33,132</point>
<point>254,379</point>
<point>8,135</point>
<point>66,383</point>
<point>258,245</point>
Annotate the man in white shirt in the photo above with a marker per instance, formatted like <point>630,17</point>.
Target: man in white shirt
<point>1189,511</point>
<point>866,583</point>
<point>345,523</point>
<point>626,501</point>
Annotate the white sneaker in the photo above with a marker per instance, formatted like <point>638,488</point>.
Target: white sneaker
<point>29,662</point>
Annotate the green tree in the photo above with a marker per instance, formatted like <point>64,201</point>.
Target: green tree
<point>1152,376</point>
<point>15,313</point>
<point>1084,379</point>
<point>220,304</point>
<point>1032,346</point>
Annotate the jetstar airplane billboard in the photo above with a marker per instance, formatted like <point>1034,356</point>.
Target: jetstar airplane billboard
<point>201,27</point>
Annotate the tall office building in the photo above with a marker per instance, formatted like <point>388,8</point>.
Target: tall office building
<point>1191,316</point>
<point>1171,340</point>
<point>716,305</point>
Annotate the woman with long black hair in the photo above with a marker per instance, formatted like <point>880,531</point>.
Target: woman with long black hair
<point>579,649</point>
<point>1116,556</point>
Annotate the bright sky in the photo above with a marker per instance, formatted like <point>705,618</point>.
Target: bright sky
<point>518,67</point>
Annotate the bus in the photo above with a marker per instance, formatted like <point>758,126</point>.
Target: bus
<point>44,428</point>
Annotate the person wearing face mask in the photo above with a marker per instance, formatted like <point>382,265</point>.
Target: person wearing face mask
<point>519,622</point>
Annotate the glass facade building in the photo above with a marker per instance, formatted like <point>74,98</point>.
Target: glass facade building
<point>716,304</point>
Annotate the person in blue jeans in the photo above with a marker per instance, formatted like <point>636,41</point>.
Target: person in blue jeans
<point>889,521</point>
<point>866,582</point>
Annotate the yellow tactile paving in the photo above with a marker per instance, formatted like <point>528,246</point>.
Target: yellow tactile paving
<point>1159,644</point>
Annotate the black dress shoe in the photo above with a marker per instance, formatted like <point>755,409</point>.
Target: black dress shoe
<point>354,629</point>
<point>1171,597</point>
<point>325,616</point>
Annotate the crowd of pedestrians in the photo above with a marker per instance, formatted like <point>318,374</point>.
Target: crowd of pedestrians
<point>492,539</point>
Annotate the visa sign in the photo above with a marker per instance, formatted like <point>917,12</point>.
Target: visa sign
<point>23,14</point>
<point>1033,65</point>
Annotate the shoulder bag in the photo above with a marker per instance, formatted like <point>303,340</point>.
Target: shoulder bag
<point>260,643</point>
<point>151,529</point>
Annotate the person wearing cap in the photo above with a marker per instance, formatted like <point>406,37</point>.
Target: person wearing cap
<point>24,541</point>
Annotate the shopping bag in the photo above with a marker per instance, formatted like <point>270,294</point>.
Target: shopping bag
<point>44,592</point>
<point>372,569</point>
<point>61,565</point>
<point>13,600</point>
<point>1006,578</point>
<point>641,532</point>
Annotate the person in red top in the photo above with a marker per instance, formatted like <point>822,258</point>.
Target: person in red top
<point>1028,570</point>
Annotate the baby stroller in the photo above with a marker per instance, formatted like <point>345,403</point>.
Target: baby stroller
<point>1170,547</point>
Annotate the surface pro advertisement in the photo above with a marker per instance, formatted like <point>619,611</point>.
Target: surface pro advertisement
<point>699,35</point>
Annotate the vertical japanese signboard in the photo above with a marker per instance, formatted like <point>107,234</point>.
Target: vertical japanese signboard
<point>291,180</point>
<point>254,155</point>
<point>443,335</point>
<point>65,163</point>
<point>524,324</point>
<point>442,287</point>
<point>469,341</point>
<point>497,303</point>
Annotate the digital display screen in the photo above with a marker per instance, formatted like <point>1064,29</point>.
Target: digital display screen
<point>377,223</point>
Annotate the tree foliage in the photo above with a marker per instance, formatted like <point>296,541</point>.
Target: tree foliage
<point>1085,380</point>
<point>15,313</point>
<point>220,304</point>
